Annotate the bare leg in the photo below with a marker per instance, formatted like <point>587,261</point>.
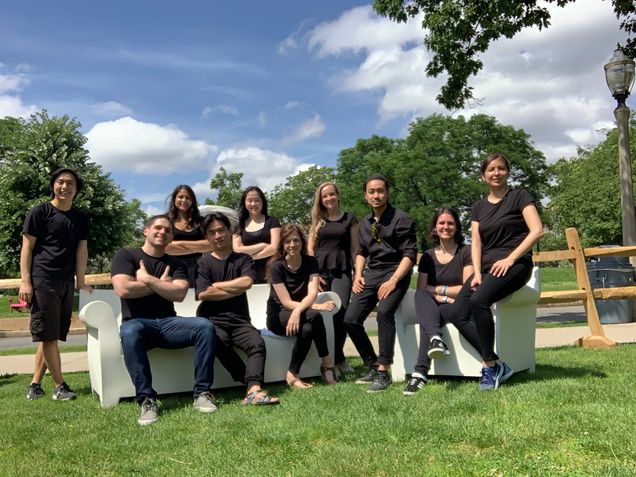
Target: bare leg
<point>40,364</point>
<point>53,361</point>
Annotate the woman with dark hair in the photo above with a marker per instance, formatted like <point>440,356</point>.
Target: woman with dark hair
<point>257,234</point>
<point>442,271</point>
<point>505,225</point>
<point>292,309</point>
<point>333,240</point>
<point>188,242</point>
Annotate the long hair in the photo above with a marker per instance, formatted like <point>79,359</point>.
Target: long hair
<point>285,232</point>
<point>193,216</point>
<point>318,211</point>
<point>243,213</point>
<point>458,237</point>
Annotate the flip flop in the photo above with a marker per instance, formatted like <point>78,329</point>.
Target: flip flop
<point>259,398</point>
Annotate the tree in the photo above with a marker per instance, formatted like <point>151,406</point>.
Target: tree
<point>33,150</point>
<point>586,192</point>
<point>291,202</point>
<point>458,31</point>
<point>437,164</point>
<point>229,187</point>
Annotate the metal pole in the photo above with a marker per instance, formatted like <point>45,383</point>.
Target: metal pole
<point>625,167</point>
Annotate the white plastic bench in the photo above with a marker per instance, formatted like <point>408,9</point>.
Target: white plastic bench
<point>515,324</point>
<point>173,370</point>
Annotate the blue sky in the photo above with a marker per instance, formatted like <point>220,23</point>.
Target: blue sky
<point>169,92</point>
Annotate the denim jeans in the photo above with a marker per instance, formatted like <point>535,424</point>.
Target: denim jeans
<point>139,335</point>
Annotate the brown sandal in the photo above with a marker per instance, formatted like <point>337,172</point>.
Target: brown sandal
<point>328,374</point>
<point>297,383</point>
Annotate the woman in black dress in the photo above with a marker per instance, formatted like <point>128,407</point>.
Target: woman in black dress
<point>257,234</point>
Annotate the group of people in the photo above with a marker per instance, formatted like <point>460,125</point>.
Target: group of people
<point>367,263</point>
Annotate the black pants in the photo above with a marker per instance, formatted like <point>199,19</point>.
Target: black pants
<point>431,316</point>
<point>475,304</point>
<point>311,328</point>
<point>363,303</point>
<point>339,283</point>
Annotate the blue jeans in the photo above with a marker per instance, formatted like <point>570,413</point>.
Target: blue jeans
<point>139,335</point>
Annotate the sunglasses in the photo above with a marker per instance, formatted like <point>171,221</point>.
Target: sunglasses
<point>375,232</point>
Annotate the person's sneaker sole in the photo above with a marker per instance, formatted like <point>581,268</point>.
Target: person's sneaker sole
<point>63,398</point>
<point>146,422</point>
<point>437,353</point>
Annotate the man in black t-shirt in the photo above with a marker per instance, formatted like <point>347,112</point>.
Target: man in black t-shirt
<point>223,277</point>
<point>54,248</point>
<point>149,282</point>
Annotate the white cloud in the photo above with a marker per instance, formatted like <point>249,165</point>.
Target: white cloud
<point>550,82</point>
<point>11,104</point>
<point>146,148</point>
<point>311,128</point>
<point>262,119</point>
<point>221,108</point>
<point>291,105</point>
<point>111,108</point>
<point>151,210</point>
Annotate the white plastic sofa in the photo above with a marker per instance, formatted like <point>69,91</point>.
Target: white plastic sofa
<point>173,370</point>
<point>515,324</point>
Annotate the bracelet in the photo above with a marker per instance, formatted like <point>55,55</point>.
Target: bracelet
<point>444,288</point>
<point>444,299</point>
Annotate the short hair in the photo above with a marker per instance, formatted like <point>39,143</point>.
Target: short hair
<point>79,183</point>
<point>486,162</point>
<point>376,177</point>
<point>219,217</point>
<point>154,218</point>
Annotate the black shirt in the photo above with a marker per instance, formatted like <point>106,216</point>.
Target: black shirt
<point>296,281</point>
<point>211,270</point>
<point>501,226</point>
<point>57,234</point>
<point>397,239</point>
<point>263,235</point>
<point>333,244</point>
<point>126,262</point>
<point>188,236</point>
<point>451,273</point>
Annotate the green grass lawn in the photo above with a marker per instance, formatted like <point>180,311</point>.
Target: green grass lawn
<point>574,416</point>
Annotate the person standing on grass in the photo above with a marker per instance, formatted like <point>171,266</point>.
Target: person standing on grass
<point>333,240</point>
<point>222,280</point>
<point>441,272</point>
<point>149,282</point>
<point>505,225</point>
<point>388,248</point>
<point>54,248</point>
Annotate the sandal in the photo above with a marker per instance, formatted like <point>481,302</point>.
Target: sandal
<point>328,374</point>
<point>296,383</point>
<point>259,398</point>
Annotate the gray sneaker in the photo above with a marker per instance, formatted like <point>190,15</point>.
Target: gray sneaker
<point>367,378</point>
<point>63,393</point>
<point>149,412</point>
<point>205,402</point>
<point>34,392</point>
<point>381,381</point>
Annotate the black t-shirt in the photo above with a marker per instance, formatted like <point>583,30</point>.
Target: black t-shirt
<point>333,244</point>
<point>263,235</point>
<point>501,226</point>
<point>296,281</point>
<point>126,262</point>
<point>57,234</point>
<point>188,236</point>
<point>451,273</point>
<point>211,270</point>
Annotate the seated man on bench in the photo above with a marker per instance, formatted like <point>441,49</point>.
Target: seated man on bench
<point>149,282</point>
<point>222,280</point>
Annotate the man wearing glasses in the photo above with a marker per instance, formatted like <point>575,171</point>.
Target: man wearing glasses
<point>388,248</point>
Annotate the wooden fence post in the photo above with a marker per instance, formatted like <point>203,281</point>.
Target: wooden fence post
<point>597,339</point>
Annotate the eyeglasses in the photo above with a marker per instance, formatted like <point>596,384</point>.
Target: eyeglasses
<point>375,232</point>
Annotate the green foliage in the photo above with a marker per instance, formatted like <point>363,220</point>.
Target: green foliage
<point>458,32</point>
<point>229,187</point>
<point>586,192</point>
<point>437,164</point>
<point>36,148</point>
<point>291,202</point>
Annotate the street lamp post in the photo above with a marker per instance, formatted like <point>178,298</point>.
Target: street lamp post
<point>619,74</point>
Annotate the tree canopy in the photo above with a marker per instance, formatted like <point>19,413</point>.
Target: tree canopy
<point>459,31</point>
<point>32,149</point>
<point>228,187</point>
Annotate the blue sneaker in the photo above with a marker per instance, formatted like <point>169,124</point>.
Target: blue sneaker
<point>490,377</point>
<point>507,373</point>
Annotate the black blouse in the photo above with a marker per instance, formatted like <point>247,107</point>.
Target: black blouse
<point>333,244</point>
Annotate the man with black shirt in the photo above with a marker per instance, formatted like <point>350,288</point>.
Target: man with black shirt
<point>388,248</point>
<point>222,280</point>
<point>149,282</point>
<point>54,247</point>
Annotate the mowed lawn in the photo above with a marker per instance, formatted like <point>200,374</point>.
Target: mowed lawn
<point>575,416</point>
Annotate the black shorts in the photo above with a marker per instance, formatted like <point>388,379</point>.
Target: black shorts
<point>51,309</point>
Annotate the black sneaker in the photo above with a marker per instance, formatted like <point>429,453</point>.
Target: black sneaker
<point>34,392</point>
<point>367,378</point>
<point>149,412</point>
<point>63,393</point>
<point>437,349</point>
<point>381,381</point>
<point>417,382</point>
